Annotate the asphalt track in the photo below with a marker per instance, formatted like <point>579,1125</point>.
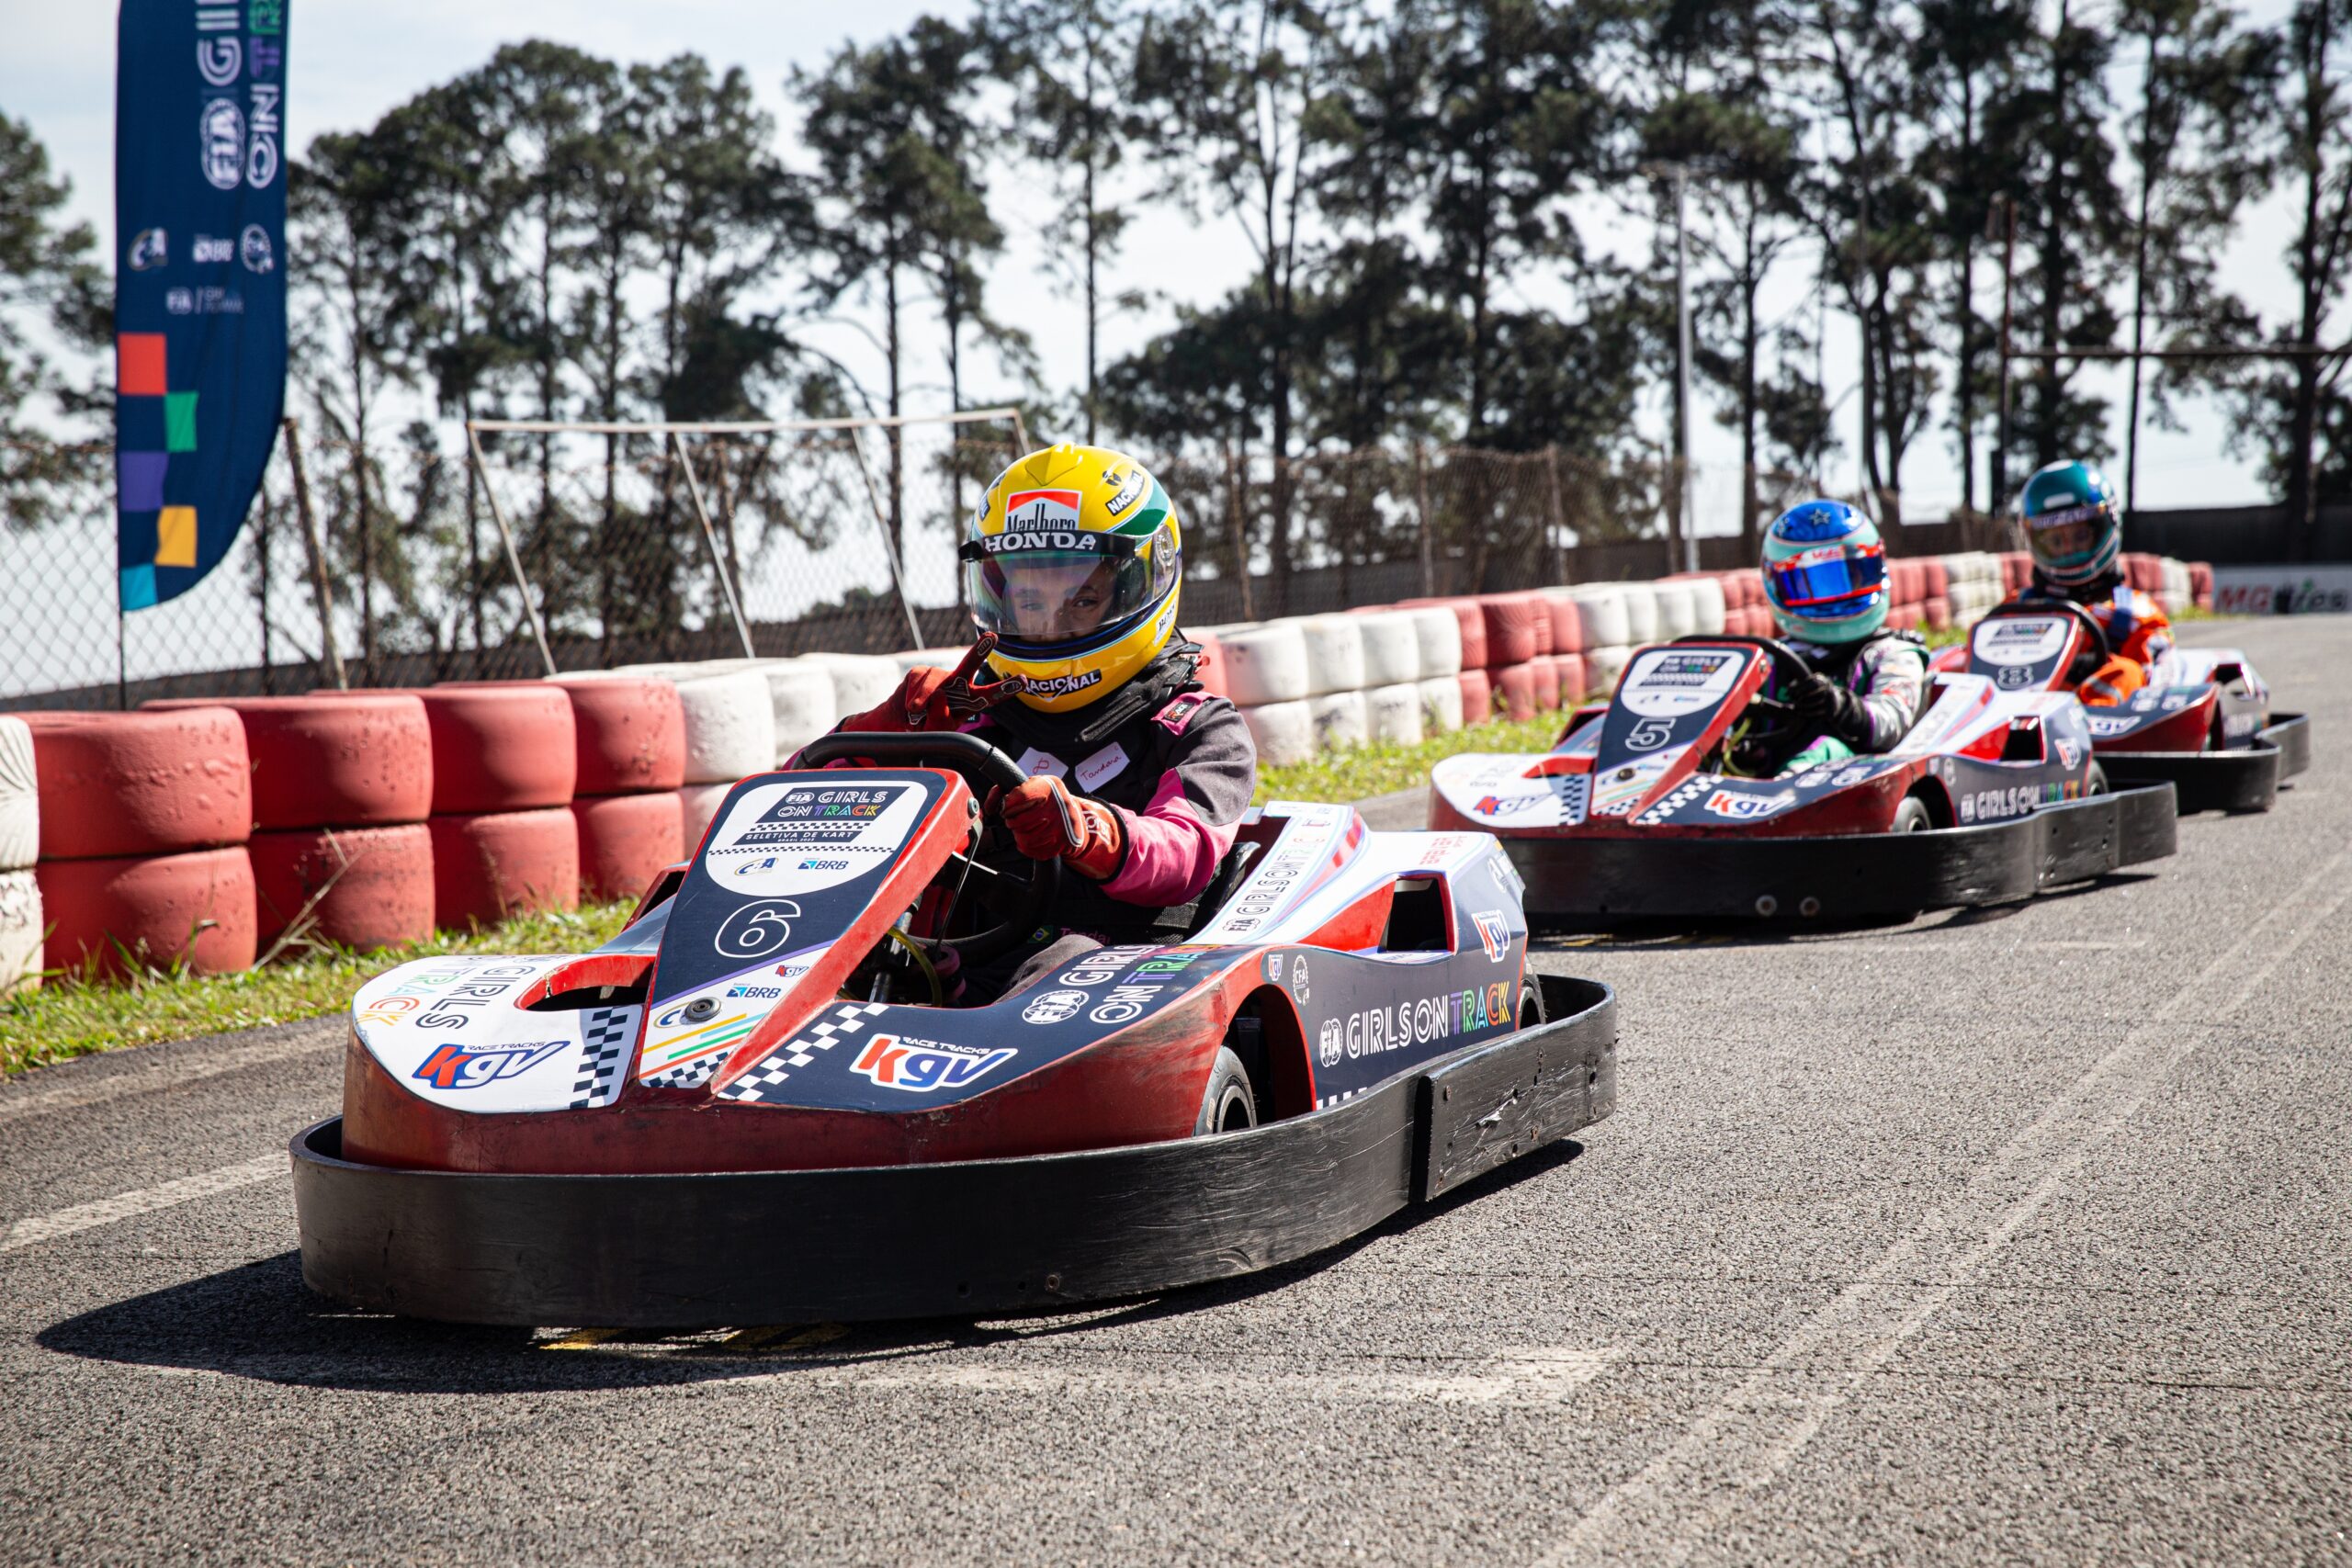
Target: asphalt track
<point>2024,1235</point>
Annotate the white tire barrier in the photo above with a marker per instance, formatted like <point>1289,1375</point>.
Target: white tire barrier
<point>1393,714</point>
<point>1264,665</point>
<point>937,658</point>
<point>1641,614</point>
<point>1440,704</point>
<point>731,726</point>
<point>19,800</point>
<point>1677,616</point>
<point>1437,634</point>
<point>1606,623</point>
<point>860,680</point>
<point>1603,666</point>
<point>1339,721</point>
<point>1334,646</point>
<point>1284,732</point>
<point>800,702</point>
<point>698,803</point>
<point>1392,647</point>
<point>1707,607</point>
<point>20,931</point>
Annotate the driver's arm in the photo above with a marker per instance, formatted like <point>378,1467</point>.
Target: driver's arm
<point>1890,687</point>
<point>1175,842</point>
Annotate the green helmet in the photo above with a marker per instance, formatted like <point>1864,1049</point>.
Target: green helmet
<point>2072,524</point>
<point>1825,572</point>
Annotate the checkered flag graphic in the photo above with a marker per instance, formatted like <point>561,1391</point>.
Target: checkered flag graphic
<point>799,1052</point>
<point>605,1035</point>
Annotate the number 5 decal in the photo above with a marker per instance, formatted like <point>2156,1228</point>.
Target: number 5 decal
<point>1649,735</point>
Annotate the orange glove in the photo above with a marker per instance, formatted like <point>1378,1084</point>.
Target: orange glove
<point>2112,681</point>
<point>1046,821</point>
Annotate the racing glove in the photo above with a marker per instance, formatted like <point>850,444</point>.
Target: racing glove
<point>932,698</point>
<point>1831,704</point>
<point>1046,821</point>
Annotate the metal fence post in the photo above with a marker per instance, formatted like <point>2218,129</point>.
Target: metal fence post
<point>1233,516</point>
<point>318,556</point>
<point>1421,518</point>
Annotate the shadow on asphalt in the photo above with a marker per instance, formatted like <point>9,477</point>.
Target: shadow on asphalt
<point>260,1321</point>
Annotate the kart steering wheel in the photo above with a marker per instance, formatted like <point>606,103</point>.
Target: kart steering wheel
<point>1014,888</point>
<point>1777,715</point>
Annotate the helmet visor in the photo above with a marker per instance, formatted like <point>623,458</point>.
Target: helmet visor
<point>2067,535</point>
<point>1051,596</point>
<point>1837,580</point>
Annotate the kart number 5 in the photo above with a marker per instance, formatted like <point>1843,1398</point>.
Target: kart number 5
<point>757,930</point>
<point>1649,735</point>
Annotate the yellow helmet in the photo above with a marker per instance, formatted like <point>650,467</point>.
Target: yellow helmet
<point>1075,561</point>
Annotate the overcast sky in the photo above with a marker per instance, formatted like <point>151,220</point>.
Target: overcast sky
<point>349,61</point>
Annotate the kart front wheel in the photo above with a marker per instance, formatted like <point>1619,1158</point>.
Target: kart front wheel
<point>1912,817</point>
<point>1228,1106</point>
<point>2095,783</point>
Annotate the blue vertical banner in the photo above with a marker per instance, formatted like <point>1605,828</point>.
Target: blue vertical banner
<point>200,282</point>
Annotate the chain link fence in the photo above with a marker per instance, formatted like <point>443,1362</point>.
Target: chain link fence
<point>621,537</point>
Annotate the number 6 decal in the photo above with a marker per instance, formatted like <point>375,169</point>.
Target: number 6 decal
<point>757,930</point>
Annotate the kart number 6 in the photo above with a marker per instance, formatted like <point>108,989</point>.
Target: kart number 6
<point>756,931</point>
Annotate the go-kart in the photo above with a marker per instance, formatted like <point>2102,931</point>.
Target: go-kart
<point>752,1105</point>
<point>2204,722</point>
<point>1649,806</point>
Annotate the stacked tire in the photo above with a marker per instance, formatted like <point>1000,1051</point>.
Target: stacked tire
<point>629,759</point>
<point>144,819</point>
<point>20,917</point>
<point>505,841</point>
<point>342,785</point>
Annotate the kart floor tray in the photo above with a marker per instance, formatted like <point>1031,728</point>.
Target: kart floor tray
<point>2245,778</point>
<point>1587,882</point>
<point>699,1251</point>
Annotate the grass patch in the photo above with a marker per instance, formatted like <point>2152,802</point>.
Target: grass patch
<point>1361,771</point>
<point>73,1016</point>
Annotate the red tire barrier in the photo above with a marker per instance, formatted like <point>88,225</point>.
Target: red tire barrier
<point>1935,580</point>
<point>1908,581</point>
<point>628,736</point>
<point>196,908</point>
<point>1477,696</point>
<point>1546,669</point>
<point>626,839</point>
<point>500,748</point>
<point>2200,584</point>
<point>1573,675</point>
<point>1518,626</point>
<point>1210,671</point>
<point>1937,613</point>
<point>2144,572</point>
<point>1471,617</point>
<point>1514,687</point>
<point>1905,617</point>
<point>343,759</point>
<point>141,783</point>
<point>373,886</point>
<point>488,865</point>
<point>1568,624</point>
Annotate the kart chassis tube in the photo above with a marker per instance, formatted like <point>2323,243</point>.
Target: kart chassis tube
<point>1595,880</point>
<point>697,1251</point>
<point>2245,778</point>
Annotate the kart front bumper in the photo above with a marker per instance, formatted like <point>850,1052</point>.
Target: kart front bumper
<point>688,1251</point>
<point>2245,778</point>
<point>1596,881</point>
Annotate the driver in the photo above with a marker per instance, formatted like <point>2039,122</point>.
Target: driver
<point>1825,572</point>
<point>2075,531</point>
<point>1138,777</point>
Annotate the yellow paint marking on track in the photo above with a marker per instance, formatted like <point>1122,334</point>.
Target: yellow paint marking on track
<point>583,1339</point>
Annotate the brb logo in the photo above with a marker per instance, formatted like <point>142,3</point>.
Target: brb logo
<point>919,1066</point>
<point>471,1066</point>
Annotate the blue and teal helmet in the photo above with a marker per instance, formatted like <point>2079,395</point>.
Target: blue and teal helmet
<point>1824,571</point>
<point>2072,524</point>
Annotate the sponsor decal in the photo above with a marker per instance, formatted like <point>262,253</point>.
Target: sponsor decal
<point>208,249</point>
<point>1167,964</point>
<point>2018,641</point>
<point>2282,590</point>
<point>756,931</point>
<point>1101,768</point>
<point>1131,490</point>
<point>2237,726</point>
<point>1675,799</point>
<point>1848,777</point>
<point>1494,932</point>
<point>1505,874</point>
<point>922,1066</point>
<point>219,61</point>
<point>222,144</point>
<point>261,148</point>
<point>1649,735</point>
<point>1033,538</point>
<point>1672,681</point>
<point>1053,1007</point>
<point>1440,848</point>
<point>800,838</point>
<point>255,251</point>
<point>150,249</point>
<point>1125,1004</point>
<point>757,993</point>
<point>1746,807</point>
<point>1298,985</point>
<point>2175,701</point>
<point>1373,1031</point>
<point>481,987</point>
<point>2013,800</point>
<point>1063,685</point>
<point>1511,804</point>
<point>1274,968</point>
<point>2101,725</point>
<point>1101,965</point>
<point>1332,1044</point>
<point>1038,764</point>
<point>458,1066</point>
<point>2069,753</point>
<point>1031,509</point>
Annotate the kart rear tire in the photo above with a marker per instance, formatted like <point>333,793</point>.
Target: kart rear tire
<point>2095,783</point>
<point>1912,817</point>
<point>1228,1105</point>
<point>1531,1003</point>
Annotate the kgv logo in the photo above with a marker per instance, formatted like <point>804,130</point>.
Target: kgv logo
<point>471,1066</point>
<point>920,1066</point>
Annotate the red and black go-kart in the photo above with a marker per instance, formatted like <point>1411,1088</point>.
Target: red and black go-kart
<point>750,1107</point>
<point>2202,724</point>
<point>1641,810</point>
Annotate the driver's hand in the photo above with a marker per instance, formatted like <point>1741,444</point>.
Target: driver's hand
<point>1046,821</point>
<point>1814,697</point>
<point>916,705</point>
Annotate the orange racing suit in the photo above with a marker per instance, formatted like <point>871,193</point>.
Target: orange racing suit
<point>2138,635</point>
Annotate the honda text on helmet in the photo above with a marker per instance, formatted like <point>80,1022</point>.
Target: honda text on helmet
<point>1825,572</point>
<point>2073,524</point>
<point>1074,561</point>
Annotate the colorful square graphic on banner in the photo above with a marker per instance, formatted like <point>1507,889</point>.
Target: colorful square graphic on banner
<point>179,422</point>
<point>176,536</point>
<point>140,364</point>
